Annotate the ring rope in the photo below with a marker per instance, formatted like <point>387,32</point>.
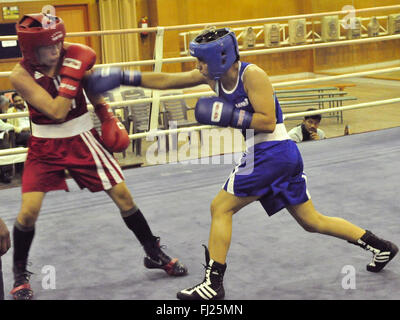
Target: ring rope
<point>212,93</point>
<point>245,53</point>
<point>197,128</point>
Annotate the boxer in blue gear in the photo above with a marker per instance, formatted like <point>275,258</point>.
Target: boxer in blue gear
<point>270,170</point>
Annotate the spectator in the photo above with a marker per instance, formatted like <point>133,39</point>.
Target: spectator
<point>4,104</point>
<point>308,130</point>
<point>6,133</point>
<point>22,125</point>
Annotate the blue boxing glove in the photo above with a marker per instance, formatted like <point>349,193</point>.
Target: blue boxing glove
<point>105,79</point>
<point>217,111</point>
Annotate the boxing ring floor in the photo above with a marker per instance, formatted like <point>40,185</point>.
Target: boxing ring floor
<point>95,256</point>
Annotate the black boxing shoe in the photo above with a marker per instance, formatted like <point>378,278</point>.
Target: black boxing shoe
<point>383,250</point>
<point>22,289</point>
<point>157,259</point>
<point>212,287</point>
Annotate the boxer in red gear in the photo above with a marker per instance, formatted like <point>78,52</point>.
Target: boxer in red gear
<point>51,78</point>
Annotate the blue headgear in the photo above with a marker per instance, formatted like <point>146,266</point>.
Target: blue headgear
<point>216,47</point>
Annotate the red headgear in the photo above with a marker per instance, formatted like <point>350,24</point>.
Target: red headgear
<point>37,30</point>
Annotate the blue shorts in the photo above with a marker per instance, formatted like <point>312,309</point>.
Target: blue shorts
<point>272,170</point>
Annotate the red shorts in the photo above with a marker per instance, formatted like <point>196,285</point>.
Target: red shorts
<point>83,155</point>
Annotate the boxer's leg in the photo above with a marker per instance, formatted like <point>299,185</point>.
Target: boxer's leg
<point>101,172</point>
<point>23,233</point>
<point>1,282</point>
<point>223,207</point>
<point>136,222</point>
<point>313,221</point>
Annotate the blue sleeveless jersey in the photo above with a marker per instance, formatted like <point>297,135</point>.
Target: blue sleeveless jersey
<point>238,97</point>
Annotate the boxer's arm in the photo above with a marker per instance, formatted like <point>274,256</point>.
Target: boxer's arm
<point>113,133</point>
<point>261,95</point>
<point>77,60</point>
<point>38,97</point>
<point>105,79</point>
<point>163,80</point>
<point>100,105</point>
<point>94,99</point>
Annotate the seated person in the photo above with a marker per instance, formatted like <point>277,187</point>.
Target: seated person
<point>6,133</point>
<point>4,104</point>
<point>6,171</point>
<point>22,125</point>
<point>308,129</point>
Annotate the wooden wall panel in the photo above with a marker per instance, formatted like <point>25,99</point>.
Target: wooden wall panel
<point>356,55</point>
<point>7,65</point>
<point>76,20</point>
<point>324,6</point>
<point>180,12</point>
<point>203,11</point>
<point>283,63</point>
<point>146,42</point>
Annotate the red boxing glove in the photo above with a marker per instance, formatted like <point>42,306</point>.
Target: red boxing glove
<point>114,135</point>
<point>77,59</point>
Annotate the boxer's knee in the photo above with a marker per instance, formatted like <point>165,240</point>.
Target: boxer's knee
<point>31,204</point>
<point>126,200</point>
<point>213,207</point>
<point>122,197</point>
<point>316,223</point>
<point>219,210</point>
<point>28,216</point>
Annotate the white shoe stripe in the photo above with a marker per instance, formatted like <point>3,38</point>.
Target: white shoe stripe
<point>210,290</point>
<point>386,253</point>
<point>200,294</point>
<point>204,290</point>
<point>381,259</point>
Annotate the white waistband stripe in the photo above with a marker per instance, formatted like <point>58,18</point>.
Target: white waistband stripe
<point>67,129</point>
<point>279,134</point>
